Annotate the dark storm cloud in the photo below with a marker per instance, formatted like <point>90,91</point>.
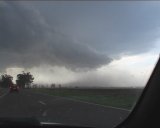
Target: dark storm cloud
<point>27,40</point>
<point>110,27</point>
<point>77,36</point>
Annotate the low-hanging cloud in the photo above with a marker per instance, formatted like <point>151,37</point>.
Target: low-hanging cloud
<point>27,40</point>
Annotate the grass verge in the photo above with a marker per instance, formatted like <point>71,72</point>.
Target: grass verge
<point>121,98</point>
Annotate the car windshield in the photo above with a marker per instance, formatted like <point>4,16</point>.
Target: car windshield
<point>81,63</point>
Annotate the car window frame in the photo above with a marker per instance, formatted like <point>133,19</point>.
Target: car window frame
<point>146,110</point>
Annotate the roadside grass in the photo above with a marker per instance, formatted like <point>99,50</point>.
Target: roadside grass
<point>121,98</point>
<point>3,91</point>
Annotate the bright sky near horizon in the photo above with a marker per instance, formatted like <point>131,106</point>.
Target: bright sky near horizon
<point>95,44</point>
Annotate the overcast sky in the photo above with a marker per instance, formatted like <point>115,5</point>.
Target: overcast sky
<point>102,44</point>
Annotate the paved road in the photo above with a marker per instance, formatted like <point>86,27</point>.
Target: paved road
<point>59,110</point>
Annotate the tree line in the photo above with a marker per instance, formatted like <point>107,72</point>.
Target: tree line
<point>23,80</point>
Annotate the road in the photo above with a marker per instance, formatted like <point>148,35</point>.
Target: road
<point>60,110</point>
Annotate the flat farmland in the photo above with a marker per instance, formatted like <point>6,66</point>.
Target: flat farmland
<point>120,98</point>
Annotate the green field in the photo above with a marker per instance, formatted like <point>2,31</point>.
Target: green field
<point>121,98</point>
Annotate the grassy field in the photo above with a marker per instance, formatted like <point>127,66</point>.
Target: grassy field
<point>121,98</point>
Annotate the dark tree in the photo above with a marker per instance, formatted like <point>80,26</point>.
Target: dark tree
<point>6,80</point>
<point>24,79</point>
<point>53,86</point>
<point>60,86</point>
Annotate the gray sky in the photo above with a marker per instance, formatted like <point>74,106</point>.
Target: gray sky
<point>78,43</point>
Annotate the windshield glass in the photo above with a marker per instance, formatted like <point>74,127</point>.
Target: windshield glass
<point>78,63</point>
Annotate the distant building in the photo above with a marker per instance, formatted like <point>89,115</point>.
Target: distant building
<point>34,86</point>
